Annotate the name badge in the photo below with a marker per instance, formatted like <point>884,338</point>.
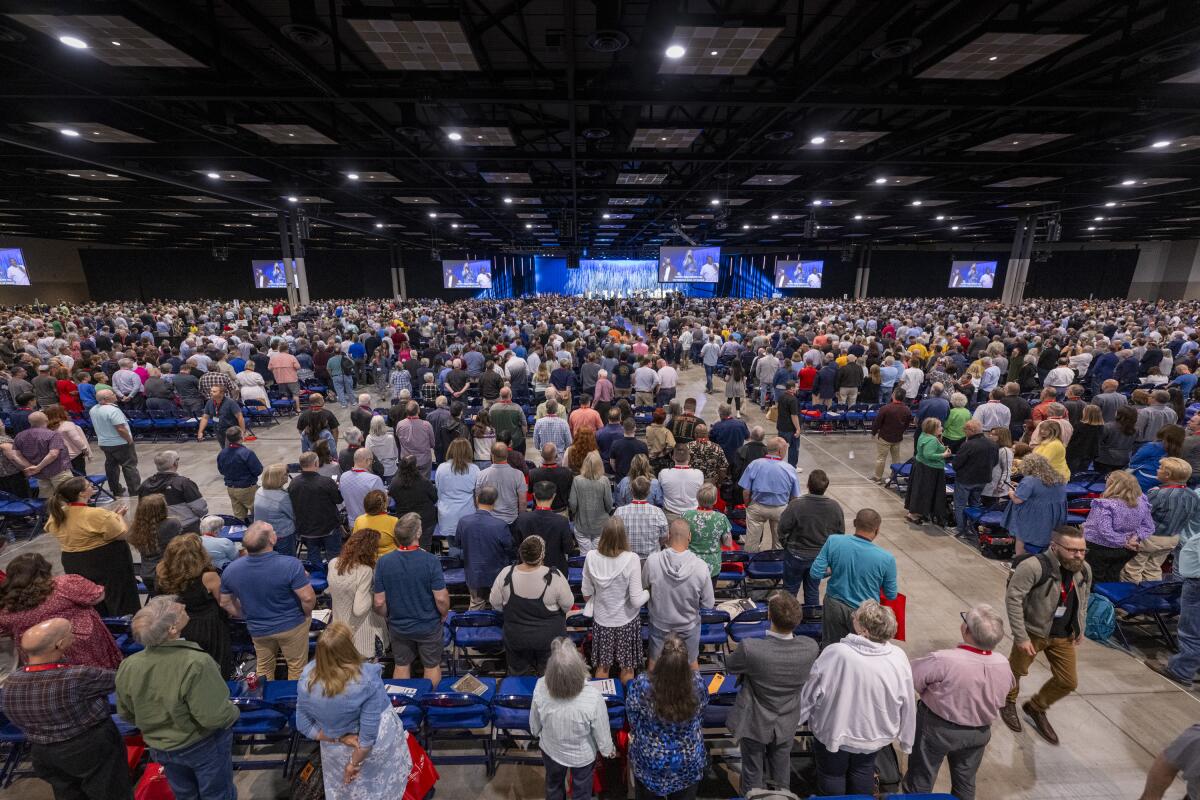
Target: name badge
<point>1060,612</point>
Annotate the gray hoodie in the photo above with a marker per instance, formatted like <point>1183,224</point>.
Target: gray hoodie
<point>680,586</point>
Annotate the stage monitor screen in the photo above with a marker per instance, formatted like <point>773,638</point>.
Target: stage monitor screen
<point>269,274</point>
<point>12,268</point>
<point>463,274</point>
<point>688,264</point>
<point>798,274</point>
<point>972,274</point>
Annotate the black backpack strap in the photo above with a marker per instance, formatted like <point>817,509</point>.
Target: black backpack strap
<point>1045,577</point>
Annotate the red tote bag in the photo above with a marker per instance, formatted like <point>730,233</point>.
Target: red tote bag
<point>897,606</point>
<point>153,785</point>
<point>423,776</point>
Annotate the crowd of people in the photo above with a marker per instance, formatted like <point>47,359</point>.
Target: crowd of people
<point>436,453</point>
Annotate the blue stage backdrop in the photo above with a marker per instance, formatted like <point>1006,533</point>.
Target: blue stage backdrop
<point>607,276</point>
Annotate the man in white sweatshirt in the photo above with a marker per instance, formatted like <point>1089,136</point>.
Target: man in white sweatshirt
<point>680,586</point>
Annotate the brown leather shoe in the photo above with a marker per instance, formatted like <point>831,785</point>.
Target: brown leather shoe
<point>1009,714</point>
<point>1041,723</point>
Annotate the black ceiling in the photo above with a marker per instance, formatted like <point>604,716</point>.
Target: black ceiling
<point>897,89</point>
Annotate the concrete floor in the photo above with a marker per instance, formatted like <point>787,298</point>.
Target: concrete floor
<point>1111,728</point>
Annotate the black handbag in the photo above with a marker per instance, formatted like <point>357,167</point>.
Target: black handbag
<point>308,782</point>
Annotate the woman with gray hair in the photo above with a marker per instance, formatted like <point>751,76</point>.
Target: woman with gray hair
<point>570,719</point>
<point>858,698</point>
<point>962,689</point>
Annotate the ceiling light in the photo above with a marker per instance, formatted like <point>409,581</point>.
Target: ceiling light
<point>774,216</point>
<point>433,215</point>
<point>73,41</point>
<point>378,224</point>
<point>858,216</point>
<point>1128,182</point>
<point>745,227</point>
<point>1110,204</point>
<point>880,180</point>
<point>453,224</point>
<point>508,200</point>
<point>816,202</point>
<point>213,175</point>
<point>916,202</point>
<point>940,217</point>
<point>69,132</point>
<point>993,58</point>
<point>72,174</point>
<point>817,140</point>
<point>714,202</point>
<point>1091,227</point>
<point>1162,143</point>
<point>352,176</point>
<point>713,53</point>
<point>528,226</point>
<point>1097,219</point>
<point>115,44</point>
<point>676,51</point>
<point>953,227</point>
<point>293,199</point>
<point>454,136</point>
<point>606,216</point>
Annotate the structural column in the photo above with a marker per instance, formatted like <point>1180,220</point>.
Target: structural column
<point>285,252</point>
<point>298,258</point>
<point>1018,261</point>
<point>862,277</point>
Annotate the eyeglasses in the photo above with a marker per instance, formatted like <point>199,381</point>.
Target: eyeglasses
<point>963,614</point>
<point>1078,551</point>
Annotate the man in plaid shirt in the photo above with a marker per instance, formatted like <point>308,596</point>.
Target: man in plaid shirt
<point>645,524</point>
<point>63,710</point>
<point>429,390</point>
<point>552,429</point>
<point>400,381</point>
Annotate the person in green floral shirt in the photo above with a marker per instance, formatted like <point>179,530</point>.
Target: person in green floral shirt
<point>710,529</point>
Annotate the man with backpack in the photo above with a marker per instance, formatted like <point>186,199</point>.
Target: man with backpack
<point>1047,600</point>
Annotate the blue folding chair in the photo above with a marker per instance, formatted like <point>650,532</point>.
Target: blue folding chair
<point>713,637</point>
<point>265,720</point>
<point>733,573</point>
<point>459,716</point>
<point>1157,601</point>
<point>510,721</point>
<point>13,746</point>
<point>750,624</point>
<point>480,632</point>
<point>406,695</point>
<point>766,565</point>
<point>23,513</point>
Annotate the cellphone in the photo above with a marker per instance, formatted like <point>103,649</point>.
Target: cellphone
<point>714,683</point>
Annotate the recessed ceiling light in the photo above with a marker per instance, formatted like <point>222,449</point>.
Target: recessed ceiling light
<point>774,216</point>
<point>816,202</point>
<point>1097,219</point>
<point>508,200</point>
<point>714,202</point>
<point>1110,204</point>
<point>453,224</point>
<point>352,176</point>
<point>606,216</point>
<point>454,136</point>
<point>73,41</point>
<point>916,202</point>
<point>880,180</point>
<point>993,58</point>
<point>817,140</point>
<point>713,53</point>
<point>858,216</point>
<point>940,217</point>
<point>378,224</point>
<point>433,215</point>
<point>115,43</point>
<point>213,175</point>
<point>1091,227</point>
<point>676,51</point>
<point>528,225</point>
<point>293,199</point>
<point>1128,182</point>
<point>953,227</point>
<point>1162,143</point>
<point>69,132</point>
<point>745,227</point>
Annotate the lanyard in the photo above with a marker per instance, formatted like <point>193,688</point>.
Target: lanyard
<point>968,648</point>
<point>82,505</point>
<point>639,502</point>
<point>45,667</point>
<point>409,548</point>
<point>1173,486</point>
<point>1066,590</point>
<point>704,508</point>
<point>772,458</point>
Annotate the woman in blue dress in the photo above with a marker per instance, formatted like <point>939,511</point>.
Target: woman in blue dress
<point>455,481</point>
<point>664,707</point>
<point>342,703</point>
<point>1037,506</point>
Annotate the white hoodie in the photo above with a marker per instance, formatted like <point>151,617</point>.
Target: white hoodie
<point>615,588</point>
<point>859,696</point>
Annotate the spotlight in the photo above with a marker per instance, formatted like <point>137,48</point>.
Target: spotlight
<point>606,216</point>
<point>1097,219</point>
<point>940,217</point>
<point>953,227</point>
<point>1091,227</point>
<point>115,44</point>
<point>454,136</point>
<point>676,51</point>
<point>528,226</point>
<point>353,176</point>
<point>1110,204</point>
<point>880,181</point>
<point>774,216</point>
<point>73,41</point>
<point>817,140</point>
<point>453,224</point>
<point>817,202</point>
<point>745,227</point>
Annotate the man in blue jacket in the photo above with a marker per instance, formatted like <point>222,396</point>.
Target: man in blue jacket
<point>934,405</point>
<point>487,546</point>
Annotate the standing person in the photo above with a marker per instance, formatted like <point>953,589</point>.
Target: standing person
<point>42,454</point>
<point>570,719</point>
<point>149,534</point>
<point>591,502</point>
<point>858,698</point>
<point>487,546</point>
<point>680,586</point>
<point>412,491</point>
<point>1116,441</point>
<point>977,456</point>
<point>455,482</point>
<point>645,523</point>
<point>416,438</point>
<point>272,593</point>
<point>769,485</point>
<point>356,482</point>
<point>508,482</point>
<point>342,703</point>
<point>729,433</point>
<point>1084,446</point>
<point>849,378</point>
<point>557,474</point>
<point>679,484</point>
<point>998,485</point>
<point>173,692</point>
<point>1037,506</point>
<point>73,436</point>
<point>1180,756</point>
<point>1117,522</point>
<point>187,571</point>
<point>116,442</point>
<point>888,427</point>
<point>613,593</point>
<point>315,499</point>
<point>807,522</point>
<point>285,370</point>
<point>62,708</point>
<point>240,469</point>
<point>735,387</point>
<point>858,570</point>
<point>925,497</point>
<point>962,690</point>
<point>535,601</point>
<point>1175,510</point>
<point>273,505</point>
<point>411,594</point>
<point>93,545</point>
<point>550,525</point>
<point>766,713</point>
<point>184,500</point>
<point>710,529</point>
<point>224,413</point>
<point>787,421</point>
<point>624,450</point>
<point>382,443</point>
<point>665,708</point>
<point>351,592</point>
<point>1047,600</point>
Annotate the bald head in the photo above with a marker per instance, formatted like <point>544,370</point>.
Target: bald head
<point>47,640</point>
<point>679,535</point>
<point>779,446</point>
<point>258,538</point>
<point>105,396</point>
<point>38,420</point>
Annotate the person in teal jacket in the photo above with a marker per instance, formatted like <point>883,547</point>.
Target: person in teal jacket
<point>925,498</point>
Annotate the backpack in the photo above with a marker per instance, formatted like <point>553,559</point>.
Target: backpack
<point>1101,619</point>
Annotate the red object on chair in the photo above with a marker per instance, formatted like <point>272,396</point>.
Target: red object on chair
<point>135,749</point>
<point>609,777</point>
<point>897,606</point>
<point>423,776</point>
<point>153,785</point>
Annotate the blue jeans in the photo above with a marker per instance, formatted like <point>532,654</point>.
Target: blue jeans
<point>796,572</point>
<point>202,770</point>
<point>764,389</point>
<point>1186,662</point>
<point>793,447</point>
<point>709,369</point>
<point>322,548</point>
<point>965,496</point>
<point>286,545</point>
<point>344,386</point>
<point>844,772</point>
